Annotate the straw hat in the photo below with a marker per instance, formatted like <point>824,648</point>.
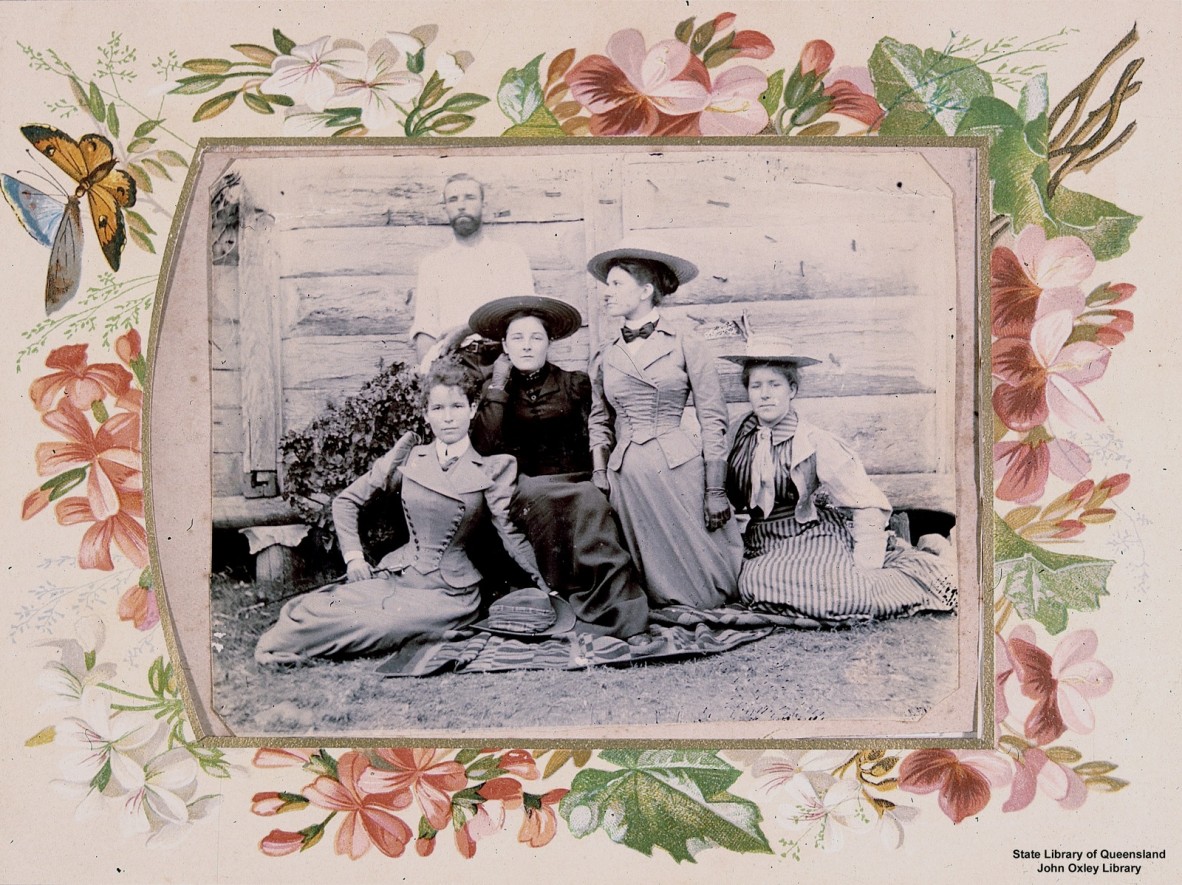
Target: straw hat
<point>528,613</point>
<point>491,320</point>
<point>639,245</point>
<point>771,349</point>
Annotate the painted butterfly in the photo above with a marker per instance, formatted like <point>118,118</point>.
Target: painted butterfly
<point>90,162</point>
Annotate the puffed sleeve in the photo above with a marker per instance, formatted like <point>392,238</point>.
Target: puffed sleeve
<point>709,402</point>
<point>841,474</point>
<point>502,470</point>
<point>580,393</point>
<point>602,419</point>
<point>346,506</point>
<point>490,418</point>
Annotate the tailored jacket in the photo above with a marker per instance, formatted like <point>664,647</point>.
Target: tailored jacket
<point>442,511</point>
<point>648,393</point>
<point>819,460</point>
<point>542,424</point>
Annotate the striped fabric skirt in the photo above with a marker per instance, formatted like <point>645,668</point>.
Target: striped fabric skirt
<point>808,571</point>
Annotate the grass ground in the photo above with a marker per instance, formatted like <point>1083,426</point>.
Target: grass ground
<point>887,668</point>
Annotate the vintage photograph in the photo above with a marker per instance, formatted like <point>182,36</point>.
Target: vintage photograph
<point>597,441</point>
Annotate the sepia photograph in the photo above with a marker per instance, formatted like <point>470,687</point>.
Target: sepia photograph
<point>589,441</point>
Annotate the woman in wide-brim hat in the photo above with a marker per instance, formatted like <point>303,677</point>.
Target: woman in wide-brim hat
<point>537,412</point>
<point>817,546</point>
<point>667,488</point>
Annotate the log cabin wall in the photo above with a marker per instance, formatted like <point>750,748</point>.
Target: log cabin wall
<point>854,261</point>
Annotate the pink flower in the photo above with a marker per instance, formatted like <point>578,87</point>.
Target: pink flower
<point>752,44</point>
<point>520,763</point>
<point>816,57</point>
<point>280,842</point>
<point>1037,277</point>
<point>369,817</point>
<point>36,501</point>
<point>540,824</point>
<point>127,347</point>
<point>81,383</point>
<point>1052,692</point>
<point>138,605</point>
<point>122,528</point>
<point>278,757</point>
<point>734,107</point>
<point>1026,465</point>
<point>1035,771</point>
<point>272,803</point>
<point>416,772</point>
<point>848,100</point>
<point>1045,374</point>
<point>110,456</point>
<point>637,92</point>
<point>964,778</point>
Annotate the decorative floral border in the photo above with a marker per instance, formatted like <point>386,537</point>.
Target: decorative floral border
<point>124,745</point>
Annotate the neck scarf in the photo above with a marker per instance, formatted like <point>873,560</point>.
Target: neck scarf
<point>763,461</point>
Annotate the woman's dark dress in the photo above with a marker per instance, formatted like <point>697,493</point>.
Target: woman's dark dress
<point>541,419</point>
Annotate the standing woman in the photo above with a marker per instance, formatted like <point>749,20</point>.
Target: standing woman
<point>667,489</point>
<point>817,544</point>
<point>429,585</point>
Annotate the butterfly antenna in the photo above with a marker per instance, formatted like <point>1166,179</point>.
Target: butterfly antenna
<point>53,182</point>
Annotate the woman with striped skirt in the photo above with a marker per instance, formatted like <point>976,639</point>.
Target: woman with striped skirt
<point>817,545</point>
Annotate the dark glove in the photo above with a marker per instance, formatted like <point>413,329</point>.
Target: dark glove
<point>715,506</point>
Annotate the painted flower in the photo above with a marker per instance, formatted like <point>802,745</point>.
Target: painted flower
<point>1026,465</point>
<point>1037,277</point>
<point>280,757</point>
<point>1037,771</point>
<point>634,91</point>
<point>138,605</point>
<point>374,82</point>
<point>123,529</point>
<point>751,44</point>
<point>157,796</point>
<point>75,671</point>
<point>81,383</point>
<point>369,817</point>
<point>964,778</point>
<point>451,66</point>
<point>779,768</point>
<point>816,57</point>
<point>733,107</point>
<point>308,73</point>
<point>541,822</point>
<point>1051,692</point>
<point>109,456</point>
<point>128,347</point>
<point>890,825</point>
<point>277,843</point>
<point>270,803</point>
<point>416,772</point>
<point>520,763</point>
<point>830,809</point>
<point>1045,374</point>
<point>849,99</point>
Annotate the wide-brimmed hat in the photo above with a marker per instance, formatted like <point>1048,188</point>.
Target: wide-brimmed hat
<point>528,613</point>
<point>772,349</point>
<point>560,319</point>
<point>644,246</point>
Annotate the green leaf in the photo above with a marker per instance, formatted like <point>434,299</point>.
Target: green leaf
<point>1018,170</point>
<point>451,124</point>
<point>143,181</point>
<point>258,54</point>
<point>146,127</point>
<point>285,101</point>
<point>770,97</point>
<point>702,37</point>
<point>684,29</point>
<point>282,42</point>
<point>520,92</point>
<point>1094,769</point>
<point>214,106</point>
<point>924,91</point>
<point>113,119</point>
<point>207,65</point>
<point>197,85</point>
<point>98,107</point>
<point>80,95</point>
<point>467,755</point>
<point>45,736</point>
<point>416,62</point>
<point>1104,227</point>
<point>541,124</point>
<point>257,103</point>
<point>140,144</point>
<point>672,799</point>
<point>466,101</point>
<point>1043,585</point>
<point>142,240</point>
<point>172,158</point>
<point>64,482</point>
<point>433,90</point>
<point>102,777</point>
<point>157,167</point>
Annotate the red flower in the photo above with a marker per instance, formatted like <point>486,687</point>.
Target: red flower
<point>127,346</point>
<point>540,824</point>
<point>271,803</point>
<point>81,383</point>
<point>123,528</point>
<point>520,763</point>
<point>816,57</point>
<point>632,91</point>
<point>965,778</point>
<point>850,101</point>
<point>1038,276</point>
<point>280,842</point>
<point>424,846</point>
<point>138,605</point>
<point>369,817</point>
<point>752,44</point>
<point>36,501</point>
<point>1028,463</point>
<point>278,757</point>
<point>415,771</point>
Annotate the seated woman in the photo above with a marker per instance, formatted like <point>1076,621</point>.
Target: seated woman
<point>537,412</point>
<point>429,585</point>
<point>816,546</point>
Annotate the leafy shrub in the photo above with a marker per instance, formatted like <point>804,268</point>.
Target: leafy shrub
<point>340,444</point>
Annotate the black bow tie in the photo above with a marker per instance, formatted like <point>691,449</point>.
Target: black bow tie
<point>644,331</point>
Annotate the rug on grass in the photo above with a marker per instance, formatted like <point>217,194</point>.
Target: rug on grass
<point>675,632</point>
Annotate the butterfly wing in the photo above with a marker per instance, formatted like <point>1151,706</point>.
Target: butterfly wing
<point>65,259</point>
<point>37,211</point>
<point>62,151</point>
<point>106,198</point>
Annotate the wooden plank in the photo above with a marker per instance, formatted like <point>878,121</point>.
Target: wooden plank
<point>224,344</point>
<point>226,471</point>
<point>919,491</point>
<point>225,389</point>
<point>227,430</point>
<point>236,512</point>
<point>874,346</point>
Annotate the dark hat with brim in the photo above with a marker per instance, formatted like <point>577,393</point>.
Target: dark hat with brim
<point>772,350</point>
<point>492,320</point>
<point>527,614</point>
<point>647,248</point>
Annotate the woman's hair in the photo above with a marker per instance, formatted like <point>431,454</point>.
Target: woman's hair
<point>645,270</point>
<point>790,372</point>
<point>446,372</point>
<point>522,314</point>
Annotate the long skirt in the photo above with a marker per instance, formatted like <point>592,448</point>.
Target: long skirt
<point>664,528</point>
<point>570,525</point>
<point>366,617</point>
<point>808,571</point>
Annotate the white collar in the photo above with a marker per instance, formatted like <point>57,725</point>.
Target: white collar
<point>455,450</point>
<point>651,317</point>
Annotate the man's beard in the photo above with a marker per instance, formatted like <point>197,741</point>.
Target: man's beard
<point>465,225</point>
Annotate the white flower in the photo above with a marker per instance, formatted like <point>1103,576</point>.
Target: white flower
<point>779,768</point>
<point>831,810</point>
<point>67,678</point>
<point>890,825</point>
<point>407,44</point>
<point>158,796</point>
<point>451,66</point>
<point>308,73</point>
<point>170,834</point>
<point>373,82</point>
